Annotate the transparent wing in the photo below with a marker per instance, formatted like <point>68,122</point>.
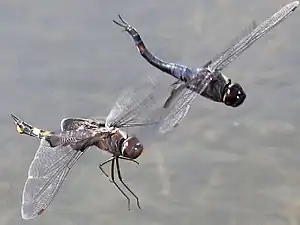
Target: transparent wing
<point>143,106</point>
<point>48,170</point>
<point>243,33</point>
<point>236,49</point>
<point>71,123</point>
<point>135,104</point>
<point>179,103</point>
<point>178,111</point>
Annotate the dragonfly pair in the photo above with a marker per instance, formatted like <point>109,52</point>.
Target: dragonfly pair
<point>138,108</point>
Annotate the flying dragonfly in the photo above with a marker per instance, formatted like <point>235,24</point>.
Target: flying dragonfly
<point>137,108</point>
<point>209,80</point>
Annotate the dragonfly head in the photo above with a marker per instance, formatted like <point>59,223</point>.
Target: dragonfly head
<point>132,147</point>
<point>234,95</point>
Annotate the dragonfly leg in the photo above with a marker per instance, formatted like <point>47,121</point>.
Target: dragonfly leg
<point>113,180</point>
<point>102,170</point>
<point>120,178</point>
<point>129,159</point>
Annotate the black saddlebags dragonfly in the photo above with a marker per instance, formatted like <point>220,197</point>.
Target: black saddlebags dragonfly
<point>209,80</point>
<point>137,108</point>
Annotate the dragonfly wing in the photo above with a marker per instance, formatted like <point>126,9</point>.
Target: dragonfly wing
<point>56,155</point>
<point>241,45</point>
<point>135,104</point>
<point>46,174</point>
<point>180,103</point>
<point>142,105</point>
<point>243,34</point>
<point>71,123</point>
<point>178,112</point>
<point>197,84</point>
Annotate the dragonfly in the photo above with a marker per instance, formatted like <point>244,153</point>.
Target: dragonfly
<point>209,80</point>
<point>58,151</point>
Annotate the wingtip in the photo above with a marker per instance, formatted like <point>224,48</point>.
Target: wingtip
<point>29,214</point>
<point>295,4</point>
<point>26,216</point>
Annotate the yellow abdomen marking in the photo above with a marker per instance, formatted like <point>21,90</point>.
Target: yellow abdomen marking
<point>19,129</point>
<point>45,132</point>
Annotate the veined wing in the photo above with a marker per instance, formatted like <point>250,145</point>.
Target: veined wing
<point>134,105</point>
<point>47,172</point>
<point>139,106</point>
<point>71,123</point>
<point>179,102</point>
<point>245,32</point>
<point>240,46</point>
<point>178,111</point>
